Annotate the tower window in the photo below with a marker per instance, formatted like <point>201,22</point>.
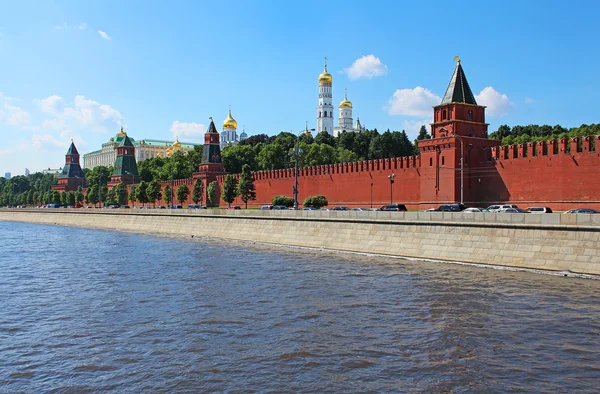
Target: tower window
<point>470,115</point>
<point>444,114</point>
<point>431,162</point>
<point>325,114</point>
<point>443,160</point>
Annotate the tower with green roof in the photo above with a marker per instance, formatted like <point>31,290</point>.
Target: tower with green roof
<point>125,167</point>
<point>72,175</point>
<point>211,165</point>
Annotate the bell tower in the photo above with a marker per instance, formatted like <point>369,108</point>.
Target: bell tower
<point>211,165</point>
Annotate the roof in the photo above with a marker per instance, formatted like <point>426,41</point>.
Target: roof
<point>458,90</point>
<point>72,149</point>
<point>164,143</point>
<point>126,142</point>
<point>212,128</point>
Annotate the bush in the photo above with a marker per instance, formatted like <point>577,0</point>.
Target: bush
<point>316,202</point>
<point>283,200</point>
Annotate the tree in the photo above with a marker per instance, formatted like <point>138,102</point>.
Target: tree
<point>345,155</point>
<point>71,199</point>
<point>141,193</point>
<point>235,156</point>
<point>423,134</point>
<point>79,195</point>
<point>325,138</point>
<point>121,193</point>
<point>197,192</point>
<point>182,193</point>
<point>63,199</point>
<point>212,193</point>
<point>111,197</point>
<point>283,200</point>
<point>271,157</point>
<point>167,194</point>
<point>246,189</point>
<point>132,195</point>
<point>229,192</point>
<point>92,194</point>
<point>56,197</point>
<point>316,202</point>
<point>154,192</point>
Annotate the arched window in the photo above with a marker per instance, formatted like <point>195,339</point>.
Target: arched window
<point>431,162</point>
<point>443,114</point>
<point>324,114</point>
<point>319,114</point>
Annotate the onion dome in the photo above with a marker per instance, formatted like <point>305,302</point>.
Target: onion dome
<point>177,144</point>
<point>345,102</point>
<point>122,133</point>
<point>229,122</point>
<point>325,77</point>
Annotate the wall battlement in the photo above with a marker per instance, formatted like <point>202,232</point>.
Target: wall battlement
<point>531,150</point>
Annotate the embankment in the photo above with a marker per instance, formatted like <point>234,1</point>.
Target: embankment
<point>545,242</point>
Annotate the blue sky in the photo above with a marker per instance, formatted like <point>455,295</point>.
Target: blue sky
<point>73,69</point>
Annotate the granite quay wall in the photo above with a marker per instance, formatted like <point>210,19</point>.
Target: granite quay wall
<point>545,242</point>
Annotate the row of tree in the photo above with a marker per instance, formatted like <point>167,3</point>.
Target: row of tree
<point>536,133</point>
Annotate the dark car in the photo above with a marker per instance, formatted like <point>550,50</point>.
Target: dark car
<point>394,207</point>
<point>452,208</point>
<point>583,210</point>
<point>280,208</point>
<point>234,207</point>
<point>341,209</point>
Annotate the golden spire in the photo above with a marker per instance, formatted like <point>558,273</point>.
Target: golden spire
<point>122,133</point>
<point>325,77</point>
<point>457,59</point>
<point>345,102</point>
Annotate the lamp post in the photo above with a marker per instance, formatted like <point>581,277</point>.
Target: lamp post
<point>391,178</point>
<point>172,165</point>
<point>100,190</point>
<point>297,152</point>
<point>371,194</point>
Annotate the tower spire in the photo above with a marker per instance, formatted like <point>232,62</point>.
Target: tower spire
<point>458,90</point>
<point>325,64</point>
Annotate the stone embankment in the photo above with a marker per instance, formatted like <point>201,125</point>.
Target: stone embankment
<point>552,242</point>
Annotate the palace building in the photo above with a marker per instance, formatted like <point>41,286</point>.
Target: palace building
<point>229,135</point>
<point>325,109</point>
<point>144,149</point>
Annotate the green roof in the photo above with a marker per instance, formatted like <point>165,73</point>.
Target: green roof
<point>72,149</point>
<point>458,90</point>
<point>126,142</point>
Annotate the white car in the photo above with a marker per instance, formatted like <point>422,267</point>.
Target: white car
<point>539,210</point>
<point>475,210</point>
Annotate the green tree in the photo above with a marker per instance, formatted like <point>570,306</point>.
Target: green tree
<point>121,193</point>
<point>283,200</point>
<point>167,194</point>
<point>235,156</point>
<point>197,191</point>
<point>229,192</point>
<point>71,199</point>
<point>56,198</point>
<point>246,189</point>
<point>111,197</point>
<point>345,155</point>
<point>79,195</point>
<point>133,195</point>
<point>64,201</point>
<point>316,202</point>
<point>92,194</point>
<point>103,194</point>
<point>325,138</point>
<point>141,193</point>
<point>212,193</point>
<point>272,157</point>
<point>182,193</point>
<point>154,192</point>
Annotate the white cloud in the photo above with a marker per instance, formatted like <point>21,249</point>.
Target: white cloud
<point>86,114</point>
<point>46,142</point>
<point>104,35</point>
<point>14,115</point>
<point>412,102</point>
<point>497,104</point>
<point>412,127</point>
<point>192,131</point>
<point>367,66</point>
<point>83,26</point>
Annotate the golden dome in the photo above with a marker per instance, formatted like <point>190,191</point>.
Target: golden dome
<point>122,133</point>
<point>346,103</point>
<point>177,144</point>
<point>325,77</point>
<point>229,122</point>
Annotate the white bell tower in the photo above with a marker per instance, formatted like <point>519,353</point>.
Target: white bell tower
<point>325,108</point>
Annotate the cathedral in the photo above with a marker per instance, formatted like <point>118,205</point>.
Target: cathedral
<point>325,109</point>
<point>229,135</point>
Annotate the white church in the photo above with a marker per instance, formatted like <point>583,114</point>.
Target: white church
<point>325,109</point>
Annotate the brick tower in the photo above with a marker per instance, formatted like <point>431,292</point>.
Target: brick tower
<point>126,170</point>
<point>211,165</point>
<point>72,175</point>
<point>459,140</point>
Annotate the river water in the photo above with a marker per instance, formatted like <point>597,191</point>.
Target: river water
<point>85,310</point>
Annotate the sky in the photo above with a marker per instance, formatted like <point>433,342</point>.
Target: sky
<point>79,69</point>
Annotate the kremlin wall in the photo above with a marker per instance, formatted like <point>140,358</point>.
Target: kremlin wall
<point>459,163</point>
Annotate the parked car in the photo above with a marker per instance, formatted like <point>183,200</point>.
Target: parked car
<point>359,209</point>
<point>173,207</point>
<point>512,210</point>
<point>475,210</point>
<point>125,207</point>
<point>394,207</point>
<point>114,206</point>
<point>431,210</point>
<point>452,208</point>
<point>341,209</point>
<point>324,209</point>
<point>506,206</point>
<point>266,207</point>
<point>234,207</point>
<point>280,208</point>
<point>538,210</point>
<point>494,208</point>
<point>309,209</point>
<point>583,210</point>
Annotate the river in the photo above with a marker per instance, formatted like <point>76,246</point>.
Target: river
<point>85,310</point>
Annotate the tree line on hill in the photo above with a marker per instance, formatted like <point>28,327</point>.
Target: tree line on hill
<point>536,133</point>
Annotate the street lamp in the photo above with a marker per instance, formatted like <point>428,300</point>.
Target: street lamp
<point>297,152</point>
<point>100,190</point>
<point>371,194</point>
<point>391,178</point>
